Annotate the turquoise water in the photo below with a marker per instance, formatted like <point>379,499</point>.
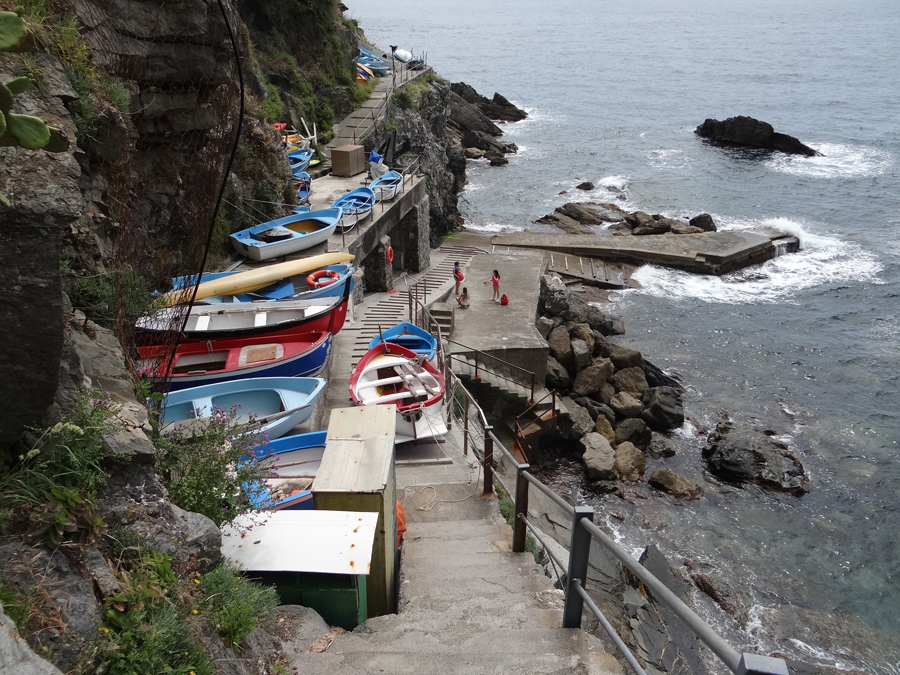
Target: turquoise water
<point>807,344</point>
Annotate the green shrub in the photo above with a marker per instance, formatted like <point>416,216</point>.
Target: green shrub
<point>205,467</point>
<point>116,93</point>
<point>390,124</point>
<point>271,105</point>
<point>235,605</point>
<point>96,295</point>
<point>31,69</point>
<point>17,606</point>
<point>403,98</point>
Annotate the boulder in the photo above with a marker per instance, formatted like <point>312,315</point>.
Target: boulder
<point>631,380</point>
<point>746,454</point>
<point>500,109</point>
<point>544,325</point>
<point>582,331</point>
<point>663,408</point>
<point>466,116</point>
<point>497,159</point>
<point>685,229</point>
<point>661,447</point>
<point>704,222</point>
<point>579,419</point>
<point>657,378</point>
<point>623,357</point>
<point>560,346</point>
<point>625,405</point>
<point>605,393</point>
<point>557,376</point>
<point>553,298</point>
<point>654,561</point>
<point>589,380</point>
<point>653,227</point>
<point>474,153</point>
<point>605,429</point>
<point>638,218</point>
<point>634,431</point>
<point>16,657</point>
<point>599,458</point>
<point>556,300</point>
<point>746,132</point>
<point>581,355</point>
<point>586,185</point>
<point>630,462</point>
<point>480,140</point>
<point>563,222</point>
<point>666,480</point>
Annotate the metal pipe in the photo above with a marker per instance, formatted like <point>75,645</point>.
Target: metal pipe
<point>579,551</point>
<point>550,493</point>
<point>621,646</point>
<point>729,655</point>
<point>518,542</point>
<point>488,460</point>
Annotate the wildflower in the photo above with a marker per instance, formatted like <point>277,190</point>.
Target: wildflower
<point>194,611</point>
<point>196,581</point>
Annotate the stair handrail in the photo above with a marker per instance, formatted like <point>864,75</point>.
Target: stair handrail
<point>532,377</point>
<point>520,429</point>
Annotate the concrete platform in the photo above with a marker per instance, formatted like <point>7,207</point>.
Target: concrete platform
<point>706,253</point>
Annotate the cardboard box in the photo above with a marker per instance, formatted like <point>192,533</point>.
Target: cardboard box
<point>348,160</point>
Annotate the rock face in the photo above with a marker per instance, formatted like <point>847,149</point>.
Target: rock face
<point>746,132</point>
<point>556,300</point>
<point>498,108</point>
<point>746,454</point>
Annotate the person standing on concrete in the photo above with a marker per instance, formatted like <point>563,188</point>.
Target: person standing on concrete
<point>495,282</point>
<point>457,276</point>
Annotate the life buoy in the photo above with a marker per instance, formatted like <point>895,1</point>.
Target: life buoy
<point>390,254</point>
<point>321,278</point>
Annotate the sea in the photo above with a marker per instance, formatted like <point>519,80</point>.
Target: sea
<point>805,345</point>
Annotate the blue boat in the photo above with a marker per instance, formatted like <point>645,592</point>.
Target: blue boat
<point>358,202</point>
<point>387,186</point>
<point>377,66</point>
<point>410,336</point>
<point>299,160</point>
<point>279,403</point>
<point>368,53</point>
<point>283,236</point>
<point>295,461</point>
<point>294,288</point>
<point>304,187</point>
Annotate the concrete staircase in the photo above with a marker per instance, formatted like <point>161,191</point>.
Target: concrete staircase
<point>467,604</point>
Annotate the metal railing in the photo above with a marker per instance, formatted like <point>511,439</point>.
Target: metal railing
<point>530,378</point>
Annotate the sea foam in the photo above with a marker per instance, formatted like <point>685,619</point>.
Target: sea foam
<point>837,160</point>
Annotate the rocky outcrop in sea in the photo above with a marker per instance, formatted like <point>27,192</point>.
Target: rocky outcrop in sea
<point>746,132</point>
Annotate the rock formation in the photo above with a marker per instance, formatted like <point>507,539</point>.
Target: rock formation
<point>590,218</point>
<point>746,132</point>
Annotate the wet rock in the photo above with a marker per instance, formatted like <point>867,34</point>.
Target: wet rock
<point>497,108</point>
<point>704,222</point>
<point>588,215</point>
<point>663,408</point>
<point>586,185</point>
<point>653,227</point>
<point>623,357</point>
<point>661,447</point>
<point>630,462</point>
<point>474,153</point>
<point>589,380</point>
<point>631,380</point>
<point>685,229</point>
<point>625,405</point>
<point>746,454</point>
<point>655,562</point>
<point>563,222</point>
<point>605,429</point>
<point>599,458</point>
<point>581,354</point>
<point>666,480</point>
<point>480,140</point>
<point>638,218</point>
<point>557,376</point>
<point>497,158</point>
<point>746,132</point>
<point>633,430</point>
<point>657,378</point>
<point>579,420</point>
<point>582,331</point>
<point>560,346</point>
<point>727,597</point>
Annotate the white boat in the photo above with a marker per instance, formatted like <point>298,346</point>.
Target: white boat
<point>391,374</point>
<point>283,236</point>
<point>387,186</point>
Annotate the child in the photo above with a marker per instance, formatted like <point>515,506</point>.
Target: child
<point>457,276</point>
<point>495,281</point>
<point>463,300</point>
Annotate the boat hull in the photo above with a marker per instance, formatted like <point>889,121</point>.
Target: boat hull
<point>320,223</point>
<point>387,186</point>
<point>297,459</point>
<point>411,337</point>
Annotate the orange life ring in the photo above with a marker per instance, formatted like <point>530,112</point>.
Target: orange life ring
<point>321,278</point>
<point>390,254</point>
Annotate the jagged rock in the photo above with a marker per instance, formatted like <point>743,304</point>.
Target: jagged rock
<point>623,357</point>
<point>746,454</point>
<point>605,393</point>
<point>560,345</point>
<point>588,381</point>
<point>631,380</point>
<point>661,447</point>
<point>586,185</point>
<point>16,657</point>
<point>556,300</point>
<point>663,408</point>
<point>633,430</point>
<point>499,108</point>
<point>685,229</point>
<point>653,227</point>
<point>544,325</point>
<point>302,626</point>
<point>468,117</point>
<point>581,355</point>
<point>671,483</point>
<point>98,569</point>
<point>557,376</point>
<point>599,458</point>
<point>605,429</point>
<point>655,562</point>
<point>474,153</point>
<point>746,132</point>
<point>579,418</point>
<point>603,346</point>
<point>565,223</point>
<point>704,221</point>
<point>480,140</point>
<point>625,405</point>
<point>630,462</point>
<point>726,596</point>
<point>657,378</point>
<point>582,331</point>
<point>638,218</point>
<point>588,215</point>
<point>497,159</point>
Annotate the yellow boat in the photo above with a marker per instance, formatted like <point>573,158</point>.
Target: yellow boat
<point>251,280</point>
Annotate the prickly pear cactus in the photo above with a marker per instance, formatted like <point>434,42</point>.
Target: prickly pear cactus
<point>12,30</point>
<point>26,131</point>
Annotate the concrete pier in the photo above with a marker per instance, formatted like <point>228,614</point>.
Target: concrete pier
<point>707,253</point>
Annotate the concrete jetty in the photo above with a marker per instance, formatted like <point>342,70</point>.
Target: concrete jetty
<point>706,253</point>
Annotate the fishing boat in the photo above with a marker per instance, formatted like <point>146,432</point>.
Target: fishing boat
<point>304,187</point>
<point>408,335</point>
<point>213,361</point>
<point>402,55</point>
<point>387,186</point>
<point>294,461</point>
<point>364,51</point>
<point>299,160</point>
<point>252,280</point>
<point>358,202</point>
<point>375,66</point>
<point>389,373</point>
<point>283,236</point>
<point>277,404</point>
<point>246,319</point>
<point>300,287</point>
<point>363,72</point>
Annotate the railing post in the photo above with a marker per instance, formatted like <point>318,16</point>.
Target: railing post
<point>488,461</point>
<point>521,510</point>
<point>466,422</point>
<point>755,664</point>
<point>579,549</point>
<point>532,389</point>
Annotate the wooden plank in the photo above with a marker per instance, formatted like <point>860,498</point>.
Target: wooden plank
<point>359,450</point>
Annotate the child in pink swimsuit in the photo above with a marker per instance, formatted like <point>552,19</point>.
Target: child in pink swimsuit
<point>495,281</point>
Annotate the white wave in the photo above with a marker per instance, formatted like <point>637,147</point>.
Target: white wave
<point>668,159</point>
<point>836,161</point>
<point>491,227</point>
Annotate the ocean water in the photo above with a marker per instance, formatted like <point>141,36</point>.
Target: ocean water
<point>806,344</point>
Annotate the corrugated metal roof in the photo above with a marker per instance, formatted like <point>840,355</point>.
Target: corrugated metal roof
<point>332,542</point>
